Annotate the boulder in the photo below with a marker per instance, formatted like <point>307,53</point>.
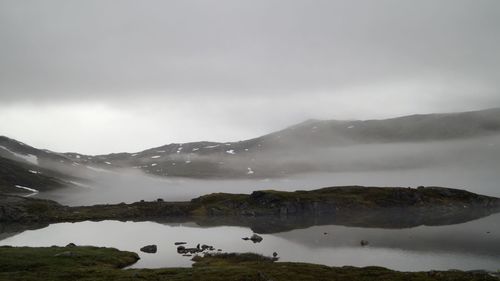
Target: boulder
<point>151,249</point>
<point>256,238</point>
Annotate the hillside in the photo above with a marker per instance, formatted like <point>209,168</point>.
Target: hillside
<point>311,146</point>
<point>294,149</point>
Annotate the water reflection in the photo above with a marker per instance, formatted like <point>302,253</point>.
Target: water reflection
<point>467,246</point>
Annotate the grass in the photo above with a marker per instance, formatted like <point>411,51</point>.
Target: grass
<point>99,264</point>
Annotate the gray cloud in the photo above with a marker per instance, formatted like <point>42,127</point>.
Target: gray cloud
<point>286,60</point>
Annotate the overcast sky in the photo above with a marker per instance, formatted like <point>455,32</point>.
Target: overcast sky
<point>100,76</point>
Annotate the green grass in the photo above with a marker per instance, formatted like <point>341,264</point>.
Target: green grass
<point>99,264</point>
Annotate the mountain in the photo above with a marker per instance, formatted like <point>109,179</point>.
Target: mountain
<point>304,140</point>
<point>314,145</point>
<point>28,170</point>
<point>18,177</point>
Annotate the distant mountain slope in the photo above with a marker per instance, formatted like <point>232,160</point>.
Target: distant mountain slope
<point>21,152</point>
<point>25,169</point>
<point>314,145</point>
<point>413,128</point>
<point>16,177</point>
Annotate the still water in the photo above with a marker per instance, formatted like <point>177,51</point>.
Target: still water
<point>467,246</point>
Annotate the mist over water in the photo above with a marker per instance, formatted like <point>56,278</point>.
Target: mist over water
<point>466,164</point>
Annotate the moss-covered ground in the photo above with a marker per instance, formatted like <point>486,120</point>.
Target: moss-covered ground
<point>92,263</point>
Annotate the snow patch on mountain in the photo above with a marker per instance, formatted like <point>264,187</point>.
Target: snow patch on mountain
<point>27,188</point>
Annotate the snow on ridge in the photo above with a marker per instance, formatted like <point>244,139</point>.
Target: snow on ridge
<point>156,156</point>
<point>27,188</point>
<point>77,156</point>
<point>195,149</point>
<point>109,163</point>
<point>160,151</point>
<point>28,158</point>
<point>231,151</point>
<point>350,127</point>
<point>34,172</point>
<point>212,146</point>
<point>135,154</point>
<point>188,161</point>
<point>154,164</point>
<point>250,171</point>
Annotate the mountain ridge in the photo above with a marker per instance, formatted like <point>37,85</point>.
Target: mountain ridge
<point>275,154</point>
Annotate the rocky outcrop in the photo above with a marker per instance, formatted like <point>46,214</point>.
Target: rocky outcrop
<point>335,200</point>
<point>350,203</point>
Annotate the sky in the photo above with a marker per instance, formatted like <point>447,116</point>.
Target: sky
<point>101,76</point>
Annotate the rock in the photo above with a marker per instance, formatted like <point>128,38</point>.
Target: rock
<point>180,243</point>
<point>256,238</point>
<point>181,249</point>
<point>245,238</point>
<point>151,249</point>
<point>275,254</point>
<point>71,245</point>
<point>187,255</point>
<point>159,200</point>
<point>364,243</point>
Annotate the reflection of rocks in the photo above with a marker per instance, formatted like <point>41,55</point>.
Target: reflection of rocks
<point>383,218</point>
<point>179,243</point>
<point>364,243</point>
<point>151,249</point>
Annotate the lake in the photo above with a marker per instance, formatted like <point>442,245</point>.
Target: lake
<point>466,246</point>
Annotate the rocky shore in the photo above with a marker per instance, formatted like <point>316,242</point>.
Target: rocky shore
<point>348,204</point>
